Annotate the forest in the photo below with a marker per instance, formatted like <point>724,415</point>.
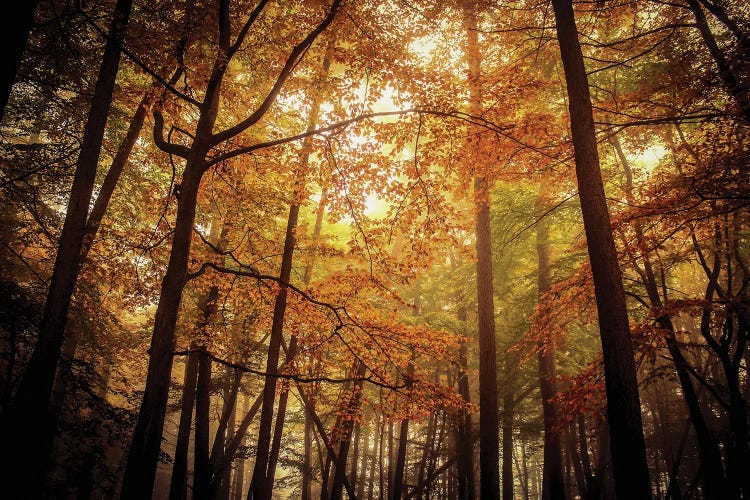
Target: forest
<point>394,249</point>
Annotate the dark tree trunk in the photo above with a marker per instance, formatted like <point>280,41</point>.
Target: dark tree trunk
<point>177,487</point>
<point>570,439</point>
<point>202,469</point>
<point>398,471</point>
<point>107,189</point>
<point>307,460</point>
<point>553,483</point>
<point>273,457</point>
<point>26,434</point>
<point>16,21</point>
<point>222,443</point>
<point>489,446</point>
<point>260,483</point>
<point>225,493</point>
<point>239,476</point>
<point>144,449</point>
<point>427,450</point>
<point>623,403</point>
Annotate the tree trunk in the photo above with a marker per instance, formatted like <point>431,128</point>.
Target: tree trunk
<point>26,435</point>
<point>144,449</point>
<point>553,483</point>
<point>261,488</point>
<point>376,448</point>
<point>179,469</point>
<point>489,448</point>
<point>222,443</point>
<point>623,403</point>
<point>570,438</point>
<point>398,471</point>
<point>465,445</point>
<point>357,437</point>
<point>202,469</point>
<point>16,20</point>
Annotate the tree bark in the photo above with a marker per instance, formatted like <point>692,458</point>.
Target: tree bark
<point>260,482</point>
<point>340,479</point>
<point>202,468</point>
<point>623,403</point>
<point>179,469</point>
<point>489,447</point>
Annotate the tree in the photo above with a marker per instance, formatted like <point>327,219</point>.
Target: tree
<point>623,403</point>
<point>489,447</point>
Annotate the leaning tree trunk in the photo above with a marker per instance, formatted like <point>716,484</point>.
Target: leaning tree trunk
<point>553,483</point>
<point>623,403</point>
<point>261,489</point>
<point>26,436</point>
<point>312,122</point>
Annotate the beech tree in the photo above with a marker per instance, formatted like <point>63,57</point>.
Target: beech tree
<point>354,225</point>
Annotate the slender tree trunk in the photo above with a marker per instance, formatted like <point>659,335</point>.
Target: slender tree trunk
<point>222,443</point>
<point>238,486</point>
<point>359,488</point>
<point>465,445</point>
<point>428,450</point>
<point>26,435</point>
<point>585,459</point>
<point>335,459</point>
<point>307,459</point>
<point>553,484</point>
<point>261,488</point>
<point>623,403</point>
<point>489,448</point>
<point>179,469</point>
<point>570,440</point>
<point>227,482</point>
<point>202,468</point>
<point>398,472</point>
<point>107,189</point>
<point>16,21</point>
